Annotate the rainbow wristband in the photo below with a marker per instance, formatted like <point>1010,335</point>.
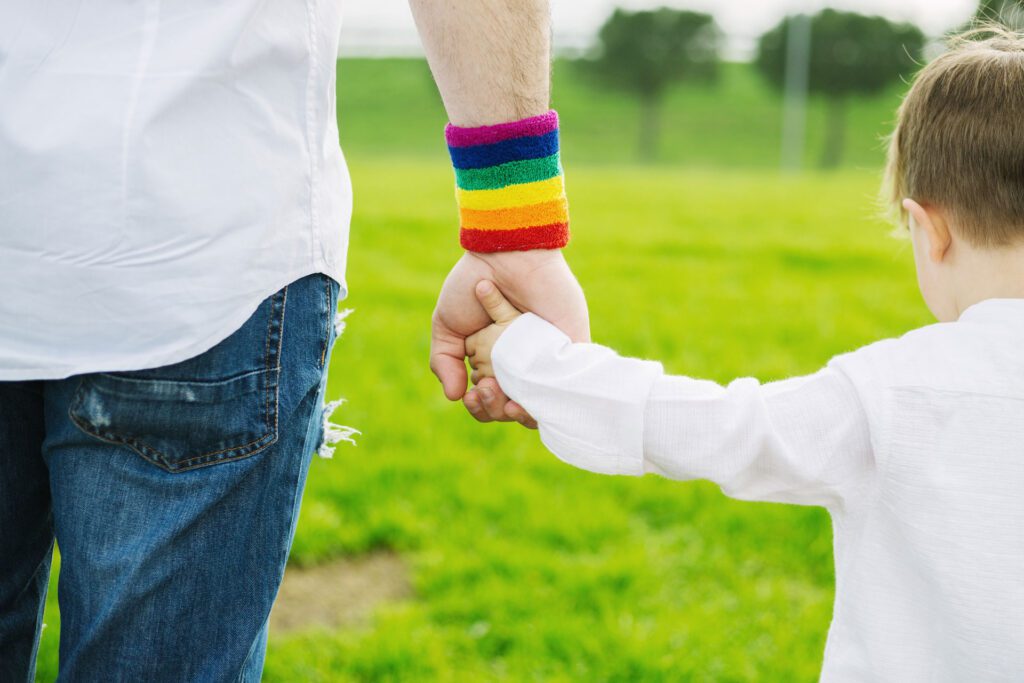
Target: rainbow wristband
<point>509,185</point>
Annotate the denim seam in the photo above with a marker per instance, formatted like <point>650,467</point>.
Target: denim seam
<point>327,337</point>
<point>277,361</point>
<point>266,359</point>
<point>296,493</point>
<point>277,313</point>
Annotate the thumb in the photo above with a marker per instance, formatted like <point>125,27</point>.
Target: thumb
<point>496,305</point>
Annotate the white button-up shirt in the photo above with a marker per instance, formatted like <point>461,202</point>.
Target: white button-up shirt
<point>164,166</point>
<point>914,445</point>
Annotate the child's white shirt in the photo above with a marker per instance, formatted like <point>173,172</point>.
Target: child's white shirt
<point>914,445</point>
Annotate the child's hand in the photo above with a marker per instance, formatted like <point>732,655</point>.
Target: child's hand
<point>480,345</point>
<point>486,401</point>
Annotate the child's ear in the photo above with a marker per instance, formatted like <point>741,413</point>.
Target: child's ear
<point>932,223</point>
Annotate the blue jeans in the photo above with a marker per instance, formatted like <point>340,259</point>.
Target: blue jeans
<point>173,494</point>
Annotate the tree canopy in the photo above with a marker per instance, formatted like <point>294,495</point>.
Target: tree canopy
<point>644,52</point>
<point>850,55</point>
<point>647,51</point>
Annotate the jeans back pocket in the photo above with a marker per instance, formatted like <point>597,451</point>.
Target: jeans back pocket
<point>179,425</point>
<point>216,407</point>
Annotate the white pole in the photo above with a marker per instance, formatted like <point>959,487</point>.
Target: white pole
<point>798,64</point>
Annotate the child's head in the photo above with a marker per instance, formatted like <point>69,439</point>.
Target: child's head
<point>955,173</point>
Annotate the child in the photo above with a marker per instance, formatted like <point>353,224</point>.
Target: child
<point>914,445</point>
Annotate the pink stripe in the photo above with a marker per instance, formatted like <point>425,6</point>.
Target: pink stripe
<point>486,135</point>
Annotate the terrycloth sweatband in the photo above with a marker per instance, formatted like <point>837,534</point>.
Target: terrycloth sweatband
<point>509,185</point>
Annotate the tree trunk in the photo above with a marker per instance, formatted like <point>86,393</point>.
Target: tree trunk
<point>835,131</point>
<point>650,127</point>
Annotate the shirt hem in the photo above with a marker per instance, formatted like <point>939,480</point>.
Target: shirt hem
<point>145,361</point>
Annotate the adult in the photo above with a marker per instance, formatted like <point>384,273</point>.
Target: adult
<point>173,232</point>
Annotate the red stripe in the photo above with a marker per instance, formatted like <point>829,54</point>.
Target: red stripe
<point>554,236</point>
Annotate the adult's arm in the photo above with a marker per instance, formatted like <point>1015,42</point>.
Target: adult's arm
<point>491,62</point>
<point>491,59</point>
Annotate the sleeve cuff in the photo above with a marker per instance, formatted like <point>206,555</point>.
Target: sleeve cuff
<point>526,338</point>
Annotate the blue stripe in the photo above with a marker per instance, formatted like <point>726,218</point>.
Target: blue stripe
<point>516,149</point>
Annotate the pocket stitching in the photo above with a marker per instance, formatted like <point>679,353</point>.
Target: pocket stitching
<point>160,459</point>
<point>104,387</point>
<point>279,319</point>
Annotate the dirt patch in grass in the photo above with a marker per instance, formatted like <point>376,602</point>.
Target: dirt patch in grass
<point>339,594</point>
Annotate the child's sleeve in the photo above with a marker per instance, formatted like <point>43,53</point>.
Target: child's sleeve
<point>803,440</point>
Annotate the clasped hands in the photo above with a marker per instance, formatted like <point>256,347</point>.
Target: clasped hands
<point>506,283</point>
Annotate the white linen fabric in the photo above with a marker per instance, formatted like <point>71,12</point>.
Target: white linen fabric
<point>164,167</point>
<point>915,446</point>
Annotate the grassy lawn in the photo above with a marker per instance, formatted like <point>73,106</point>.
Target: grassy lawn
<point>526,570</point>
<point>391,107</point>
<point>523,568</point>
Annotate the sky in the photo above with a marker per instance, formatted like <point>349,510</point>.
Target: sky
<point>385,27</point>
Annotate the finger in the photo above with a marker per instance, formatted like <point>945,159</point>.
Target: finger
<point>496,305</point>
<point>494,399</point>
<point>451,371</point>
<point>492,403</point>
<point>528,422</point>
<point>516,412</point>
<point>447,354</point>
<point>472,402</point>
<point>481,369</point>
<point>479,375</point>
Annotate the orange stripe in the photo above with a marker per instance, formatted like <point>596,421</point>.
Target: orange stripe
<point>545,213</point>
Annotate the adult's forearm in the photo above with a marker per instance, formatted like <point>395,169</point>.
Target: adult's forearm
<point>491,62</point>
<point>490,58</point>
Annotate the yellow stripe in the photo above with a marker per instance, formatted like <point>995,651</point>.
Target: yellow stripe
<point>513,195</point>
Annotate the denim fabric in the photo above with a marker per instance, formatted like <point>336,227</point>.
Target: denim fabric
<point>173,495</point>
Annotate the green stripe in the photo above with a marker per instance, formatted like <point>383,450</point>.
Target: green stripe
<point>512,173</point>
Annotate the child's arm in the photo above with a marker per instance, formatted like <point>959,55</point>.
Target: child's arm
<point>801,440</point>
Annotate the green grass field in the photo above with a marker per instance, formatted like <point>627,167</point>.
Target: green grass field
<point>391,108</point>
<point>527,570</point>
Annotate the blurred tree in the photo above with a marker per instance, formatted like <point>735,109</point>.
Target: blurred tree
<point>645,52</point>
<point>851,54</point>
<point>1007,12</point>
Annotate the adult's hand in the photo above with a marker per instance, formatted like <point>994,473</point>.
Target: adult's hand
<point>538,281</point>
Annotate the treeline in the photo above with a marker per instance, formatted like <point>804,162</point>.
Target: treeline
<point>846,55</point>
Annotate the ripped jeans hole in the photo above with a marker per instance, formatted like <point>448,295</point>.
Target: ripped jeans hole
<point>334,433</point>
<point>339,320</point>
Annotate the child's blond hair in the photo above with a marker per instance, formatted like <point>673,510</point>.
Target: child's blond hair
<point>959,139</point>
